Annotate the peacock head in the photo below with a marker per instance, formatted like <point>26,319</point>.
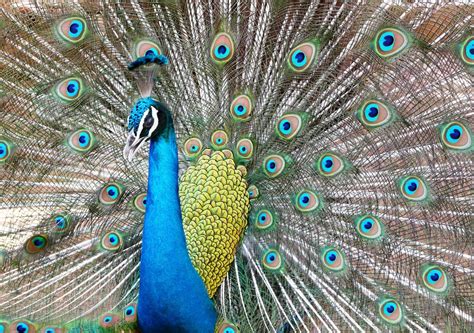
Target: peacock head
<point>148,119</point>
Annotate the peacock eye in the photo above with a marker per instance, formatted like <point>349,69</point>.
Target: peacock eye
<point>227,327</point>
<point>108,320</point>
<point>374,114</point>
<point>253,192</point>
<point>434,278</point>
<point>273,165</point>
<point>130,313</point>
<point>467,51</point>
<point>69,89</point>
<point>222,49</point>
<point>456,136</point>
<point>244,148</point>
<point>146,47</point>
<point>369,227</point>
<point>6,150</point>
<point>288,126</point>
<point>333,259</point>
<point>61,222</point>
<point>22,326</point>
<point>219,139</point>
<point>241,108</point>
<point>307,201</point>
<point>110,193</point>
<point>139,202</point>
<point>81,141</point>
<point>264,220</point>
<point>390,42</point>
<point>272,260</point>
<point>413,188</point>
<point>329,165</point>
<point>36,244</point>
<point>192,147</point>
<point>72,29</point>
<point>391,311</point>
<point>302,57</point>
<point>111,241</point>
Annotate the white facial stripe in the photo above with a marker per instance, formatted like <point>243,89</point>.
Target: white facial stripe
<point>140,127</point>
<point>154,114</point>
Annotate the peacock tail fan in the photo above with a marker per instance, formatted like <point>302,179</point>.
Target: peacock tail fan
<point>345,130</point>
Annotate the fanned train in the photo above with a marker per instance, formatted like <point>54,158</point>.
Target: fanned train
<point>236,166</point>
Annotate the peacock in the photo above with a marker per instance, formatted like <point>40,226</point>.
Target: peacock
<point>236,166</point>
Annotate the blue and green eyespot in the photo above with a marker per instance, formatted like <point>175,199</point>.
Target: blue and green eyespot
<point>146,46</point>
<point>222,48</point>
<point>413,188</point>
<point>192,147</point>
<point>72,29</point>
<point>22,326</point>
<point>61,222</point>
<point>109,320</point>
<point>390,311</point>
<point>274,165</point>
<point>111,241</point>
<point>265,220</point>
<point>81,141</point>
<point>227,327</point>
<point>241,108</point>
<point>369,227</point>
<point>434,278</point>
<point>219,139</point>
<point>467,51</point>
<point>36,244</point>
<point>330,164</point>
<point>6,150</point>
<point>374,114</point>
<point>139,202</point>
<point>69,90</point>
<point>111,193</point>
<point>307,201</point>
<point>130,313</point>
<point>272,260</point>
<point>244,149</point>
<point>390,42</point>
<point>333,259</point>
<point>289,126</point>
<point>456,136</point>
<point>302,57</point>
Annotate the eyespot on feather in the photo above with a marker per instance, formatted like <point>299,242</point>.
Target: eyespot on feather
<point>307,201</point>
<point>390,42</point>
<point>244,149</point>
<point>6,150</point>
<point>22,326</point>
<point>272,260</point>
<point>72,29</point>
<point>289,126</point>
<point>146,46</point>
<point>108,320</point>
<point>467,51</point>
<point>456,136</point>
<point>111,241</point>
<point>219,139</point>
<point>227,327</point>
<point>413,188</point>
<point>434,278</point>
<point>369,227</point>
<point>302,57</point>
<point>139,202</point>
<point>264,220</point>
<point>111,193</point>
<point>36,244</point>
<point>130,313</point>
<point>273,165</point>
<point>253,192</point>
<point>61,222</point>
<point>329,164</point>
<point>374,113</point>
<point>81,141</point>
<point>241,108</point>
<point>192,147</point>
<point>69,90</point>
<point>333,259</point>
<point>390,311</point>
<point>222,49</point>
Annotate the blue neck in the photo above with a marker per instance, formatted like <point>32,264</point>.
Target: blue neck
<point>172,295</point>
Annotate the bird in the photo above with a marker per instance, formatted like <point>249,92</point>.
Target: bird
<point>236,166</point>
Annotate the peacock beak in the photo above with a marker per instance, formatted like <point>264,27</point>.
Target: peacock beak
<point>134,143</point>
